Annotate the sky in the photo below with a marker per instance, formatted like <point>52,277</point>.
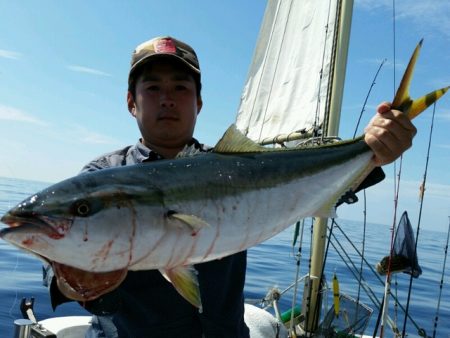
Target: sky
<point>64,67</point>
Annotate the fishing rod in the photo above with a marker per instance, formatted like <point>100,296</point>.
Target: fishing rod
<point>363,109</point>
<point>362,252</point>
<point>297,272</point>
<point>436,317</point>
<point>353,269</point>
<point>364,284</point>
<point>420,216</point>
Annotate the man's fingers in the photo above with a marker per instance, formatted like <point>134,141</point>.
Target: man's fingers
<point>389,134</point>
<point>382,153</point>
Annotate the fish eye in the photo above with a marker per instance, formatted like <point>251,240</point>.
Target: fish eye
<point>81,208</point>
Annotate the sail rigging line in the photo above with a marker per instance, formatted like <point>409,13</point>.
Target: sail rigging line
<point>363,109</point>
<point>276,65</point>
<point>436,317</point>
<point>420,214</point>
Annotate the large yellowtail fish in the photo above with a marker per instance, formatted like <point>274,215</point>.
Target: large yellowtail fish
<point>171,214</point>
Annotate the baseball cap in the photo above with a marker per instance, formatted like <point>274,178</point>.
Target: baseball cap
<point>165,46</point>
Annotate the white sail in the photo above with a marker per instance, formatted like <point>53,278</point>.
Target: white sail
<point>295,83</point>
<point>288,81</point>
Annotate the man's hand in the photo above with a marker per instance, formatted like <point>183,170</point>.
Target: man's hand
<point>389,133</point>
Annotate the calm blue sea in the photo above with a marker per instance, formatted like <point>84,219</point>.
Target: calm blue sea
<point>271,265</point>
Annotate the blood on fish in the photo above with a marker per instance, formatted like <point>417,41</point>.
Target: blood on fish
<point>28,242</point>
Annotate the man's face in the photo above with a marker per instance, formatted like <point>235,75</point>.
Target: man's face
<point>165,105</point>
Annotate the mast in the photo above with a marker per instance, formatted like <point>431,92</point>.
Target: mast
<point>294,88</point>
<point>331,128</point>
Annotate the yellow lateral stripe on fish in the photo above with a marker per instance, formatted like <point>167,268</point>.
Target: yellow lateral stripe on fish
<point>336,295</point>
<point>172,214</point>
<point>403,101</point>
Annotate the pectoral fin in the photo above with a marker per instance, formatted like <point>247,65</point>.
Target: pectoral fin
<point>184,279</point>
<point>403,101</point>
<point>193,222</point>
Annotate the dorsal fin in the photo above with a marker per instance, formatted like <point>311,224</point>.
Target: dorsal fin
<point>189,151</point>
<point>233,141</point>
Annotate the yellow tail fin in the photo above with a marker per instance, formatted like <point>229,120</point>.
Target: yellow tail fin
<point>403,101</point>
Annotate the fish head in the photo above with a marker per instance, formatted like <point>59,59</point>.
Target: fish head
<point>73,227</point>
<point>74,222</point>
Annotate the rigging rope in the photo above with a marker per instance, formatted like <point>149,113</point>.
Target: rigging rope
<point>420,215</point>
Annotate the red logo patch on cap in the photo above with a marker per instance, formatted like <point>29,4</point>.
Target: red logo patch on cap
<point>165,46</point>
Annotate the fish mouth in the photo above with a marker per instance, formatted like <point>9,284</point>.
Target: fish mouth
<point>27,223</point>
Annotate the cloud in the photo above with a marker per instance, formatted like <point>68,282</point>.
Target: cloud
<point>14,114</point>
<point>426,15</point>
<point>82,134</point>
<point>9,54</point>
<point>386,64</point>
<point>442,114</point>
<point>82,69</point>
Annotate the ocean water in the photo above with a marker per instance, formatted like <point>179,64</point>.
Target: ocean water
<point>271,265</point>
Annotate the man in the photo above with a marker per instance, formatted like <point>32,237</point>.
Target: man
<point>164,96</point>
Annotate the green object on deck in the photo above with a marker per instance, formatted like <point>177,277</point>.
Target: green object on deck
<point>286,316</point>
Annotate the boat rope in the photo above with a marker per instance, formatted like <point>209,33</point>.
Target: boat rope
<point>367,97</point>
<point>436,317</point>
<point>420,214</point>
